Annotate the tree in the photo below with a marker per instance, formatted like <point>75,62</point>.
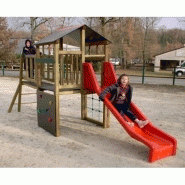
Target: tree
<point>6,44</point>
<point>128,40</point>
<point>148,25</point>
<point>33,24</point>
<point>181,21</point>
<point>171,39</point>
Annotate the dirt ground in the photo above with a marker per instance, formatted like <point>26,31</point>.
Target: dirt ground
<point>83,144</point>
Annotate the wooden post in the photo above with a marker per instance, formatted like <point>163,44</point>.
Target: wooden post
<point>20,83</point>
<point>18,90</point>
<point>56,93</point>
<point>38,69</point>
<point>42,64</point>
<point>83,95</point>
<point>106,112</point>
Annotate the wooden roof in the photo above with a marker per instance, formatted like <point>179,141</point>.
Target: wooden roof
<point>91,36</point>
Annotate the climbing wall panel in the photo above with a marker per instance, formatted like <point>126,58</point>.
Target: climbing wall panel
<point>46,111</point>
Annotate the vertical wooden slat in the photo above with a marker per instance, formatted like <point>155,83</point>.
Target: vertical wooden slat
<point>31,67</point>
<point>35,66</point>
<point>38,68</point>
<point>27,67</point>
<point>42,64</point>
<point>72,71</point>
<point>96,49</point>
<point>48,64</point>
<point>77,68</point>
<point>51,71</point>
<point>70,68</point>
<point>67,77</point>
<point>49,53</point>
<point>62,70</point>
<point>48,71</point>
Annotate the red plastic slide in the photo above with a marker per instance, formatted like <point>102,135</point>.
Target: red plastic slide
<point>161,144</point>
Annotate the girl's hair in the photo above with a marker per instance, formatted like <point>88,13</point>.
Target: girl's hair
<point>28,40</point>
<point>119,79</point>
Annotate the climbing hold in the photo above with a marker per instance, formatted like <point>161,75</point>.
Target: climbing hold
<point>50,120</point>
<point>40,96</point>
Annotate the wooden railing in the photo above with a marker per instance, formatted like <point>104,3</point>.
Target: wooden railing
<point>70,67</point>
<point>30,68</point>
<point>46,66</point>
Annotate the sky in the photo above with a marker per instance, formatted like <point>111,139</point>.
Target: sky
<point>168,22</point>
<point>169,10</point>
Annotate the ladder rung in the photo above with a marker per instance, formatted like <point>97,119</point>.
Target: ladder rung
<point>28,93</point>
<point>27,103</point>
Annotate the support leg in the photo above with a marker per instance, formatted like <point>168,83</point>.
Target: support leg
<point>14,98</point>
<point>19,98</point>
<point>83,105</point>
<point>106,117</point>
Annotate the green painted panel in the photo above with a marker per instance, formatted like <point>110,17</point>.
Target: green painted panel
<point>45,60</point>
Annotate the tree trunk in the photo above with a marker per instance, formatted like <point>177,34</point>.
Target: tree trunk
<point>32,28</point>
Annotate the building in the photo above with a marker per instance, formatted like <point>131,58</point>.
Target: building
<point>169,59</point>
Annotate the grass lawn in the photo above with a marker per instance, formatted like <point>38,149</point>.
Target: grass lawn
<point>138,72</point>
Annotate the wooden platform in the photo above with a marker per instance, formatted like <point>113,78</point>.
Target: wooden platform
<point>50,87</point>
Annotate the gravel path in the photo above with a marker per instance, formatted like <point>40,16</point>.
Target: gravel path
<point>83,144</point>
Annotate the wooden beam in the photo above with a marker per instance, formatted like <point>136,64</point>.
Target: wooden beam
<point>30,56</point>
<point>106,112</point>
<point>70,92</point>
<point>38,69</point>
<point>94,56</point>
<point>94,121</point>
<point>20,83</point>
<point>56,92</point>
<point>69,52</point>
<point>14,98</point>
<point>83,95</point>
<point>72,86</point>
<point>29,79</point>
<point>105,42</point>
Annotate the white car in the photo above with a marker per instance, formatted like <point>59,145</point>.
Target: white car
<point>180,70</point>
<point>115,61</point>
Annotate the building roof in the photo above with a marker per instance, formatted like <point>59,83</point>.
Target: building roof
<point>169,51</point>
<point>74,32</point>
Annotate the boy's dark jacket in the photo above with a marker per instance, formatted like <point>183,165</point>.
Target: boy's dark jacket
<point>114,91</point>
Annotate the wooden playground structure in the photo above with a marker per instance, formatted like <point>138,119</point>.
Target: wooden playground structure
<point>60,71</point>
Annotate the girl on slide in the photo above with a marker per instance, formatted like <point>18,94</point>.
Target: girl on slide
<point>121,94</point>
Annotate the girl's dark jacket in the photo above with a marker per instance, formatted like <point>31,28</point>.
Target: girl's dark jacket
<point>29,51</point>
<point>114,91</point>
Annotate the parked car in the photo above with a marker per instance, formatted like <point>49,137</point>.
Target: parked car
<point>15,66</point>
<point>1,66</point>
<point>180,70</point>
<point>115,61</point>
